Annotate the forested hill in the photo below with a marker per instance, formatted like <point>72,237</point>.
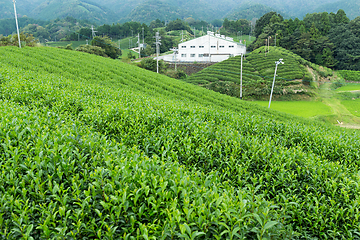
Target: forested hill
<point>250,11</point>
<point>351,7</point>
<point>109,11</point>
<point>327,39</point>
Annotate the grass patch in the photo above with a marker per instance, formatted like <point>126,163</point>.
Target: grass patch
<point>74,45</point>
<point>299,108</point>
<point>124,53</point>
<point>353,106</point>
<point>349,87</point>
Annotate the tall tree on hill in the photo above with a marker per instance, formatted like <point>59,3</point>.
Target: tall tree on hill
<point>264,21</point>
<point>105,43</point>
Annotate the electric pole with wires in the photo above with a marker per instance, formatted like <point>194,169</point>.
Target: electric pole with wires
<point>158,43</point>
<point>241,76</point>
<point>17,24</point>
<point>93,31</point>
<point>139,44</point>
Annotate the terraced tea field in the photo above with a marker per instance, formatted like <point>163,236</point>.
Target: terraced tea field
<point>293,77</point>
<point>92,148</point>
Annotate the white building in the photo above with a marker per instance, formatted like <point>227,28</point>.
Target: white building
<point>209,48</point>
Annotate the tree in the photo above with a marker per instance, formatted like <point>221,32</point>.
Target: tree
<point>178,24</point>
<point>341,17</point>
<point>105,43</point>
<point>264,21</point>
<point>148,51</point>
<point>354,26</point>
<point>150,64</point>
<point>92,50</point>
<point>12,40</point>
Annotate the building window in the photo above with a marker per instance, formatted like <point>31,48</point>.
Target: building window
<point>201,46</point>
<point>206,55</point>
<point>183,55</point>
<point>201,55</point>
<point>183,46</point>
<point>213,46</point>
<point>231,46</point>
<point>221,46</point>
<point>192,46</point>
<point>192,55</point>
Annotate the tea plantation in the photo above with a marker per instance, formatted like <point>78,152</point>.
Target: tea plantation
<point>293,77</point>
<point>92,148</point>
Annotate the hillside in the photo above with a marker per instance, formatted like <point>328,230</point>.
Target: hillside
<point>109,11</point>
<point>351,7</point>
<point>8,26</point>
<point>293,78</point>
<point>78,9</point>
<point>250,11</point>
<point>94,148</point>
<point>156,9</point>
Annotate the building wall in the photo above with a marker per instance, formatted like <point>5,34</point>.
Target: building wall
<point>209,48</point>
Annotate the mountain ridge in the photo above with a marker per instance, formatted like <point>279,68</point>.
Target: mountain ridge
<point>109,11</point>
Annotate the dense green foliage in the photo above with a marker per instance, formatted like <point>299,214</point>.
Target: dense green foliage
<point>92,50</point>
<point>13,40</point>
<point>258,73</point>
<point>249,11</point>
<point>351,7</point>
<point>235,27</point>
<point>109,47</point>
<point>8,26</point>
<point>327,39</point>
<point>178,24</point>
<point>67,28</point>
<point>94,148</point>
<point>349,75</point>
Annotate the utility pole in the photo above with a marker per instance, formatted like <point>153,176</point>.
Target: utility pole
<point>143,36</point>
<point>194,33</point>
<point>93,31</point>
<point>139,44</point>
<point>272,89</point>
<point>241,76</point>
<point>17,24</point>
<point>182,35</point>
<point>176,50</point>
<point>158,43</point>
<point>250,31</point>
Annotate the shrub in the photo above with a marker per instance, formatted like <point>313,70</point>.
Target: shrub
<point>92,50</point>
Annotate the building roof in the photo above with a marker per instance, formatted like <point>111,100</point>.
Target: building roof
<point>214,36</point>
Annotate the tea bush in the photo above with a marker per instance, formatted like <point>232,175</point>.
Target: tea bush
<point>108,150</point>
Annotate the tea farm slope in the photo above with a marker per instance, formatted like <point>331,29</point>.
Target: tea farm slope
<point>94,148</point>
<point>293,77</point>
